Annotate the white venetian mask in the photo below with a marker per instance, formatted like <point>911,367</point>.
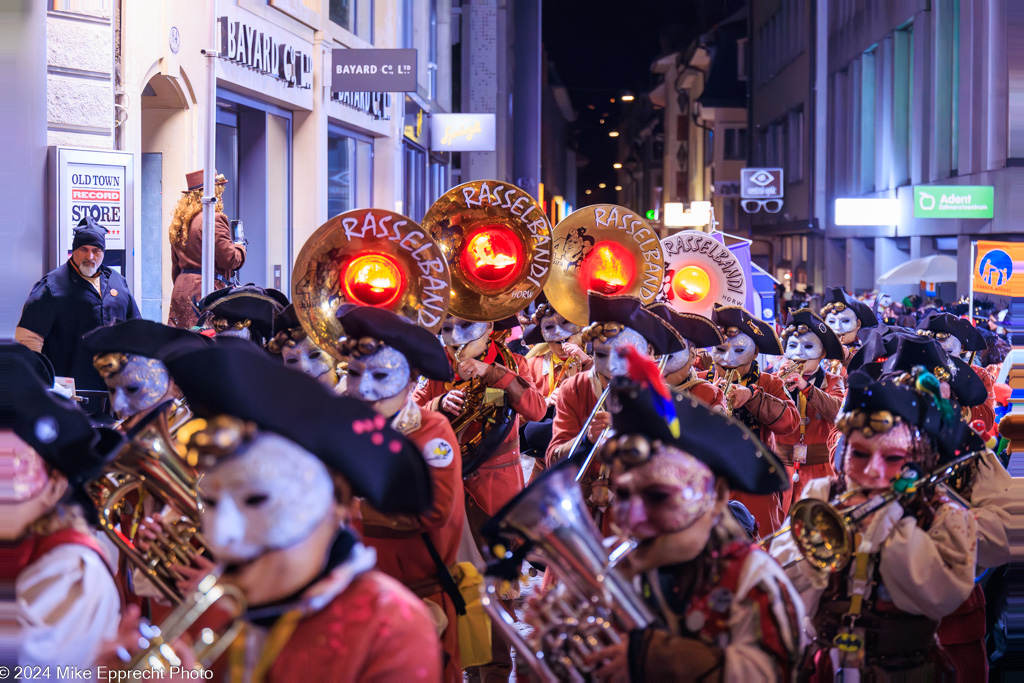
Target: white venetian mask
<point>376,377</point>
<point>457,332</point>
<point>804,347</point>
<point>268,497</point>
<point>844,322</point>
<point>678,360</point>
<point>607,361</point>
<point>140,384</point>
<point>735,352</point>
<point>555,328</point>
<point>307,357</point>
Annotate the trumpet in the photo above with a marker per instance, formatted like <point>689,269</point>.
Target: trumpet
<point>731,378</point>
<point>793,368</point>
<point>823,532</point>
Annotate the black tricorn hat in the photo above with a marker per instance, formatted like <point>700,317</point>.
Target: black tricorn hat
<point>763,334</point>
<point>879,343</point>
<point>697,328</point>
<point>38,362</point>
<point>868,393</point>
<point>143,338</point>
<point>725,445</point>
<point>631,312</point>
<point>967,387</point>
<point>422,349</point>
<point>347,435</point>
<point>55,428</point>
<point>509,323</point>
<point>532,335</point>
<point>970,338</point>
<point>813,322</point>
<point>287,319</point>
<point>838,295</point>
<point>246,302</point>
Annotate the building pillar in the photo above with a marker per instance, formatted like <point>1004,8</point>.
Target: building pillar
<point>23,174</point>
<point>526,131</point>
<point>309,172</point>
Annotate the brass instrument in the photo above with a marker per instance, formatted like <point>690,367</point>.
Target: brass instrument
<point>150,467</point>
<point>731,378</point>
<point>605,248</point>
<point>592,605</point>
<point>794,368</point>
<point>497,242</point>
<point>369,257</point>
<point>824,533</point>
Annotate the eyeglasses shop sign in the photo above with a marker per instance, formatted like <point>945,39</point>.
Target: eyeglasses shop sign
<point>373,70</point>
<point>953,201</point>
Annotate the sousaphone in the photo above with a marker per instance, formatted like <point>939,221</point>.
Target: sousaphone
<point>497,242</point>
<point>700,272</point>
<point>605,248</point>
<point>369,257</point>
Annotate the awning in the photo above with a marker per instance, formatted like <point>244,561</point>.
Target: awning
<point>936,268</point>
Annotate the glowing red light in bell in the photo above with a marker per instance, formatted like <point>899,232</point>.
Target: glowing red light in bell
<point>493,256</point>
<point>691,283</point>
<point>373,280</point>
<point>608,268</point>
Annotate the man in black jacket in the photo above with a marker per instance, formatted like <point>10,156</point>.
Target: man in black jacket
<point>74,298</point>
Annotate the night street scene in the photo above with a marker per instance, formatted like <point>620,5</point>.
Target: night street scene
<point>512,340</point>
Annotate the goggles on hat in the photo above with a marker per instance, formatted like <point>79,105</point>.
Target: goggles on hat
<point>602,332</point>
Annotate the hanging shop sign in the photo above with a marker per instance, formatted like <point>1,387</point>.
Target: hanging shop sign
<point>761,183</point>
<point>462,133</point>
<point>245,44</point>
<point>87,183</point>
<point>373,70</point>
<point>954,201</point>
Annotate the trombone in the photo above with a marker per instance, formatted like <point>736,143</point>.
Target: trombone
<point>824,534</point>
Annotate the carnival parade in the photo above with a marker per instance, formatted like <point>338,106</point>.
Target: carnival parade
<point>459,428</point>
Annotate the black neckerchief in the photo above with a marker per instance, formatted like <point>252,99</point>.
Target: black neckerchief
<point>266,615</point>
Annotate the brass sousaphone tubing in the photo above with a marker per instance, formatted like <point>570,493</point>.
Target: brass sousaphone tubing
<point>497,242</point>
<point>609,249</point>
<point>369,257</point>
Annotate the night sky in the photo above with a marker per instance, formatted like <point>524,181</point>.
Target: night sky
<point>602,49</point>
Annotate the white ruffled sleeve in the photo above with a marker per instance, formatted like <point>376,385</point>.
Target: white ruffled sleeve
<point>806,579</point>
<point>68,604</point>
<point>931,572</point>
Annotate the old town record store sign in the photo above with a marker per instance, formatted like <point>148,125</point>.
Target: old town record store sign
<point>246,45</point>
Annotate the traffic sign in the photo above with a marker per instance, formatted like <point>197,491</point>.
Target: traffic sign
<point>761,183</point>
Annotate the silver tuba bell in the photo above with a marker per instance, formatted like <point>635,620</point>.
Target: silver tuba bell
<point>591,605</point>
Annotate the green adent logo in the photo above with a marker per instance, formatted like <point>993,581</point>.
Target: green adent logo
<point>954,201</point>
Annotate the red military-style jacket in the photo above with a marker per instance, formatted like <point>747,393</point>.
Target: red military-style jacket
<point>576,400</point>
<point>986,412</point>
<point>401,550</point>
<point>822,402</point>
<point>501,477</point>
<point>541,371</point>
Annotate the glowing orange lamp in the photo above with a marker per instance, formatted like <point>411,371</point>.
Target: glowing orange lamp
<point>691,283</point>
<point>373,280</point>
<point>493,256</point>
<point>608,268</point>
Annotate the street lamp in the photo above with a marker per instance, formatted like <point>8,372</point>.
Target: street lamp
<point>618,188</point>
<point>601,185</point>
<point>616,165</point>
<point>628,98</point>
<point>613,134</point>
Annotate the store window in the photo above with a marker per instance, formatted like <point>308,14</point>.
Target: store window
<point>440,178</point>
<point>355,16</point>
<point>349,171</point>
<point>415,173</point>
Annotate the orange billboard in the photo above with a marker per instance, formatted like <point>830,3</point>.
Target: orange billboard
<point>999,268</point>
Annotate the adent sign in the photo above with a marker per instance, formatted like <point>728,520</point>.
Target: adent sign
<point>953,201</point>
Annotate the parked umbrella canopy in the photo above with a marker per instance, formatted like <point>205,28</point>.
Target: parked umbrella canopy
<point>937,268</point>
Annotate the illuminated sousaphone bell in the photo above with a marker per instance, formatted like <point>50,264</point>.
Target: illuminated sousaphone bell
<point>701,271</point>
<point>605,248</point>
<point>369,257</point>
<point>497,241</point>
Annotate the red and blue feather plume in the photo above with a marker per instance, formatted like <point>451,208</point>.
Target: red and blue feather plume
<point>646,373</point>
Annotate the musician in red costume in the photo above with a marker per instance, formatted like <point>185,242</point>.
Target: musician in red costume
<point>960,339</point>
<point>65,596</point>
<point>817,394</point>
<point>496,477</point>
<point>615,322</point>
<point>757,399</point>
<point>281,459</point>
<point>697,332</point>
<point>387,354</point>
<point>556,355</point>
